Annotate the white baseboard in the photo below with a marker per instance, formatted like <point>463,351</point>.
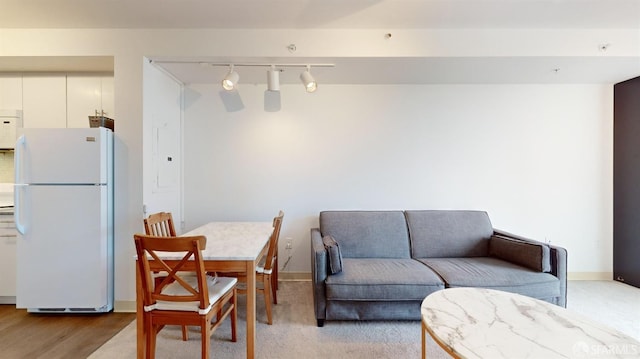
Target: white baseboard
<point>124,306</point>
<point>8,300</point>
<point>590,276</point>
<point>294,276</point>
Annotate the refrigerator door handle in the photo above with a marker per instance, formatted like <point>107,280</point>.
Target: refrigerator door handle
<point>18,188</point>
<point>18,208</point>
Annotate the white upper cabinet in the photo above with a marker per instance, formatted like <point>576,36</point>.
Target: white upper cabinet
<point>44,99</point>
<point>11,92</point>
<point>83,100</point>
<point>88,96</point>
<point>107,96</point>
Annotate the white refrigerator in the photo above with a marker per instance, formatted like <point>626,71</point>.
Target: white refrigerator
<point>64,217</point>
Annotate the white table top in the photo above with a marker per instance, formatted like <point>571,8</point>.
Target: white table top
<point>485,323</point>
<point>232,240</point>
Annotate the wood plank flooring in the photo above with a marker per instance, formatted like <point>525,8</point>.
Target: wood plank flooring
<point>69,336</point>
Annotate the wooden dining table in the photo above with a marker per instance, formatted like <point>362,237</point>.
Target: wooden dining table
<point>231,247</point>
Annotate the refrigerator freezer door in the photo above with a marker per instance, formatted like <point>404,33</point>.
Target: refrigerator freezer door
<point>63,155</point>
<point>66,252</point>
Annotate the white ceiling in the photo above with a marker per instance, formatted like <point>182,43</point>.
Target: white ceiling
<point>320,14</point>
<point>356,14</point>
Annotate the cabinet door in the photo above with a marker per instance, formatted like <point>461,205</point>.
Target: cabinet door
<point>107,96</point>
<point>7,260</point>
<point>83,99</point>
<point>11,92</point>
<point>44,101</point>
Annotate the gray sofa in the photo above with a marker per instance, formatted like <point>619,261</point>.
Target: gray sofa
<point>391,260</point>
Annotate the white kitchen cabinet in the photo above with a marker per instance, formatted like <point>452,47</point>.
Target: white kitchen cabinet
<point>88,96</point>
<point>7,260</point>
<point>107,96</point>
<point>83,100</point>
<point>11,92</point>
<point>44,99</point>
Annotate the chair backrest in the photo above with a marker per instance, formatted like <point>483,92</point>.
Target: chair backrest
<point>189,248</point>
<point>273,241</point>
<point>160,224</point>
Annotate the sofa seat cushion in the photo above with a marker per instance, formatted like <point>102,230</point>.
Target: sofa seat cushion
<point>382,279</point>
<point>487,272</point>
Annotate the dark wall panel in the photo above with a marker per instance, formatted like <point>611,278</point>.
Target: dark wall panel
<point>626,182</point>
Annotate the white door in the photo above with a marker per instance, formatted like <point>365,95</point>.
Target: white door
<point>162,150</point>
<point>63,255</point>
<point>73,155</point>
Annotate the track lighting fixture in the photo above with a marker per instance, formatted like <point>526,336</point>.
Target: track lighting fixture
<point>273,79</point>
<point>230,81</point>
<point>308,81</point>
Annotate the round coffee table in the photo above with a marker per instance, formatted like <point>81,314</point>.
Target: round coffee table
<point>486,323</point>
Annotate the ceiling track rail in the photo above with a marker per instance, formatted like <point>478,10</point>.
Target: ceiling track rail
<point>245,64</point>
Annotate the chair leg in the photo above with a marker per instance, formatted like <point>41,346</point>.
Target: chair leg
<point>266,284</point>
<point>275,271</point>
<point>205,335</point>
<point>151,339</point>
<point>185,336</point>
<point>234,316</point>
<point>274,287</point>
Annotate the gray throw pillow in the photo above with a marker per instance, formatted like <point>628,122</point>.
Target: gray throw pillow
<point>335,257</point>
<point>536,256</point>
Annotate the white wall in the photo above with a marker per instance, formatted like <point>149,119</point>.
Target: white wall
<point>129,47</point>
<point>538,158</point>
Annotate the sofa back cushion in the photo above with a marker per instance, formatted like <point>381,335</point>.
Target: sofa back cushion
<point>448,233</point>
<point>367,234</point>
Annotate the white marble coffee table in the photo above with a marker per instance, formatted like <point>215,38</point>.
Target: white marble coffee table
<point>485,323</point>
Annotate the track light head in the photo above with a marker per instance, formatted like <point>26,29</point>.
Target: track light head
<point>230,81</point>
<point>308,81</point>
<point>273,79</point>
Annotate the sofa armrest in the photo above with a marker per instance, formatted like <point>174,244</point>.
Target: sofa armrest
<point>319,272</point>
<point>557,261</point>
<point>559,269</point>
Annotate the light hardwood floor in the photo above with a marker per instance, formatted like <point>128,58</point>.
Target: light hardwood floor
<point>69,336</point>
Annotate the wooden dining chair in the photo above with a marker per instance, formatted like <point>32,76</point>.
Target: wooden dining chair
<point>183,299</point>
<point>266,270</point>
<point>161,225</point>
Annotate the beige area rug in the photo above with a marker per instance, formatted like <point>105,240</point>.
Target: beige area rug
<point>294,333</point>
